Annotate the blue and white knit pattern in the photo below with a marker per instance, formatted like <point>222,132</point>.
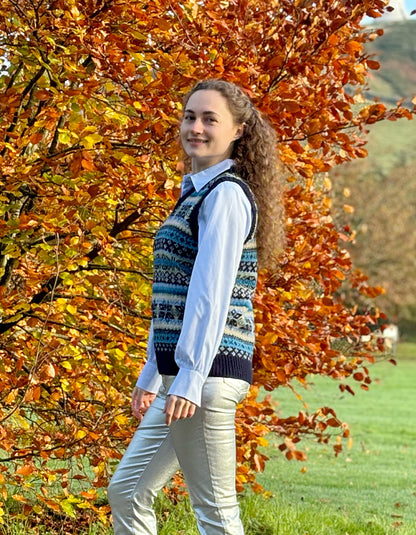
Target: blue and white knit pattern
<point>175,249</point>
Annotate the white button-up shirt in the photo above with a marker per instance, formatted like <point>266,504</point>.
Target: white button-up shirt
<point>224,222</point>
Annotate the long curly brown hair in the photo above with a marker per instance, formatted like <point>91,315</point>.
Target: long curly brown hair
<point>256,161</point>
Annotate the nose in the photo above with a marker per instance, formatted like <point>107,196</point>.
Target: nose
<point>197,126</point>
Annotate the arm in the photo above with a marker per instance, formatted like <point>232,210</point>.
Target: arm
<point>148,383</point>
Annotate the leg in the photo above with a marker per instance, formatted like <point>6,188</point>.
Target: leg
<point>205,446</point>
<point>148,464</point>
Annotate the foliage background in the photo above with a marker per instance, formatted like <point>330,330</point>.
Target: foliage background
<point>90,101</point>
<point>381,188</point>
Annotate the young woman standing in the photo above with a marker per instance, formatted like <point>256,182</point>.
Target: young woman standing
<point>202,333</point>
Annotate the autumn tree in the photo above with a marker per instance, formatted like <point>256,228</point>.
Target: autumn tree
<point>90,103</point>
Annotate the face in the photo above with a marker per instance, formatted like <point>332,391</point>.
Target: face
<point>208,129</point>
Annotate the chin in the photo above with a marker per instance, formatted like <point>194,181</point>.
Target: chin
<point>196,151</point>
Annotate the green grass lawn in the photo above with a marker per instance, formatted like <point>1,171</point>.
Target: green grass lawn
<point>390,145</point>
<point>372,484</point>
<point>370,489</point>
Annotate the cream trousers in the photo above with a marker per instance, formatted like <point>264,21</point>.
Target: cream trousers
<point>202,446</point>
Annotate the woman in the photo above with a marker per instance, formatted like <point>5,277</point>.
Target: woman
<point>202,333</point>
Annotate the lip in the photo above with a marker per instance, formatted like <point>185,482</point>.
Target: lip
<point>196,141</point>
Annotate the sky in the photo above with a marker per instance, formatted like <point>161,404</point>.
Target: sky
<point>410,5</point>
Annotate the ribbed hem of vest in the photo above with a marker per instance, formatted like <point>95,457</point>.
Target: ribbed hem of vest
<point>223,366</point>
<point>232,367</point>
<point>166,364</point>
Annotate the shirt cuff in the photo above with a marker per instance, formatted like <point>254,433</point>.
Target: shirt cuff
<point>149,378</point>
<point>188,384</point>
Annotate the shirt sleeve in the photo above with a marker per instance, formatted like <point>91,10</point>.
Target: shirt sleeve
<point>224,222</point>
<point>149,378</point>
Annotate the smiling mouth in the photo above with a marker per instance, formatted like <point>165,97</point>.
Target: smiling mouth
<point>197,141</point>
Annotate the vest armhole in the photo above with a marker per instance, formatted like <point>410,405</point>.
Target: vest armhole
<point>193,220</point>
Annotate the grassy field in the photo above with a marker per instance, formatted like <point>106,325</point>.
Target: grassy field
<point>390,145</point>
<point>370,489</point>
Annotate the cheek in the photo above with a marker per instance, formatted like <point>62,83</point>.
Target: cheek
<point>229,141</point>
<point>182,132</point>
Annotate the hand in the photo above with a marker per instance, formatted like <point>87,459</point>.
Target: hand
<point>177,408</point>
<point>141,401</point>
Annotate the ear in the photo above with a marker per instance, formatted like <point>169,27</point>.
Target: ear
<point>240,131</point>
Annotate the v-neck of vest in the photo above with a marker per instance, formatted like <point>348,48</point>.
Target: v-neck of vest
<point>218,178</point>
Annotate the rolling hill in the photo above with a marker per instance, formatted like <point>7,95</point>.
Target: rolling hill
<point>396,51</point>
<point>393,144</point>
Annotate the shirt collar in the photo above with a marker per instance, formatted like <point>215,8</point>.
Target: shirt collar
<point>199,180</point>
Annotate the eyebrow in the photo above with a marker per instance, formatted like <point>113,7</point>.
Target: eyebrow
<point>187,110</point>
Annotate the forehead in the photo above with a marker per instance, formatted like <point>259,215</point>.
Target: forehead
<point>208,100</point>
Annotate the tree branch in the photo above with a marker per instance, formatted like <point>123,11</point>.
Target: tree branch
<point>25,92</point>
<point>56,280</point>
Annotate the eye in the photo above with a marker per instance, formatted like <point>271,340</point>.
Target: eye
<point>211,120</point>
<point>188,117</point>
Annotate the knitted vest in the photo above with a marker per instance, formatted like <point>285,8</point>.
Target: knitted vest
<point>175,249</point>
